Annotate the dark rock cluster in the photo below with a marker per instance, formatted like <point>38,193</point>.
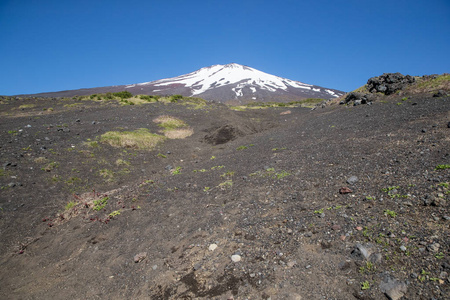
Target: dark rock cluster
<point>389,83</point>
<point>358,98</point>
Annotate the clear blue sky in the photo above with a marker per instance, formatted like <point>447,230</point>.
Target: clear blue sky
<point>57,45</point>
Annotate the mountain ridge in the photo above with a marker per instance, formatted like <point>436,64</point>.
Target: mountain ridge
<point>223,83</point>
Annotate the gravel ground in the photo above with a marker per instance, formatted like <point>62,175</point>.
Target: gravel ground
<point>341,202</point>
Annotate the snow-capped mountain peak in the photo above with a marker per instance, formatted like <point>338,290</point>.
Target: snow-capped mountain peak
<point>231,74</point>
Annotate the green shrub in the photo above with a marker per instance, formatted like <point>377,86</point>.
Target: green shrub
<point>123,94</point>
<point>175,98</point>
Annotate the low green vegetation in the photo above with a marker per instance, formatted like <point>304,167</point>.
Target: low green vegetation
<point>70,205</point>
<point>309,102</point>
<point>107,174</point>
<point>390,213</point>
<point>436,83</point>
<point>442,167</point>
<point>51,166</point>
<point>141,139</point>
<point>365,285</point>
<point>100,204</point>
<point>176,171</point>
<point>114,214</point>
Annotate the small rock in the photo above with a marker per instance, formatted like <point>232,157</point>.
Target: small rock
<point>376,258</point>
<point>424,130</point>
<point>308,267</point>
<point>291,263</point>
<point>140,257</point>
<point>434,247</point>
<point>393,288</point>
<point>344,190</point>
<point>359,228</point>
<point>154,267</point>
<point>352,180</point>
<point>308,234</point>
<point>212,247</point>
<point>402,248</point>
<point>236,258</point>
<point>336,227</point>
<point>437,201</point>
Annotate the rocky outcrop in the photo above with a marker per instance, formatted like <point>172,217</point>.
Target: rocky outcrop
<point>358,98</point>
<point>389,83</point>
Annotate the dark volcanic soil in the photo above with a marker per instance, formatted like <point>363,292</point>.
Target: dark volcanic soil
<point>256,187</point>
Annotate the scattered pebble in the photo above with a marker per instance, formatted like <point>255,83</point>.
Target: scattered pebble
<point>236,258</point>
<point>344,190</point>
<point>140,257</point>
<point>212,247</point>
<point>352,180</point>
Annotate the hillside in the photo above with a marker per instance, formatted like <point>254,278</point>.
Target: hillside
<point>181,198</point>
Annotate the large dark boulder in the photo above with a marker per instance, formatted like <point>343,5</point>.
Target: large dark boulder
<point>389,83</point>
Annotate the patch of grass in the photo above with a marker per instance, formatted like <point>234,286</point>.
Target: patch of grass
<point>161,155</point>
<point>228,174</point>
<point>12,132</point>
<point>73,104</point>
<point>390,213</point>
<point>206,189</point>
<point>114,214</point>
<point>108,175</point>
<point>241,148</point>
<point>282,174</point>
<point>121,162</point>
<point>176,171</point>
<point>51,166</point>
<point>24,106</point>
<point>40,160</point>
<point>100,204</point>
<point>70,205</point>
<point>319,211</point>
<point>92,144</point>
<point>441,81</point>
<point>73,180</point>
<point>141,139</point>
<point>174,128</point>
<point>388,189</point>
<point>169,123</point>
<point>226,184</point>
<point>365,285</point>
<point>217,167</point>
<point>442,167</point>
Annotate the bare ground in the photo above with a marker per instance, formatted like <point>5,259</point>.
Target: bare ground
<point>256,184</point>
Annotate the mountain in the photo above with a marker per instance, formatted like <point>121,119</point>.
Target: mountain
<point>222,83</point>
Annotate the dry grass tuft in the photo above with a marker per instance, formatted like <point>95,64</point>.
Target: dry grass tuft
<point>141,139</point>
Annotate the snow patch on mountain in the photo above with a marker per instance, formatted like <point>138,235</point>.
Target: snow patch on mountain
<point>212,77</point>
